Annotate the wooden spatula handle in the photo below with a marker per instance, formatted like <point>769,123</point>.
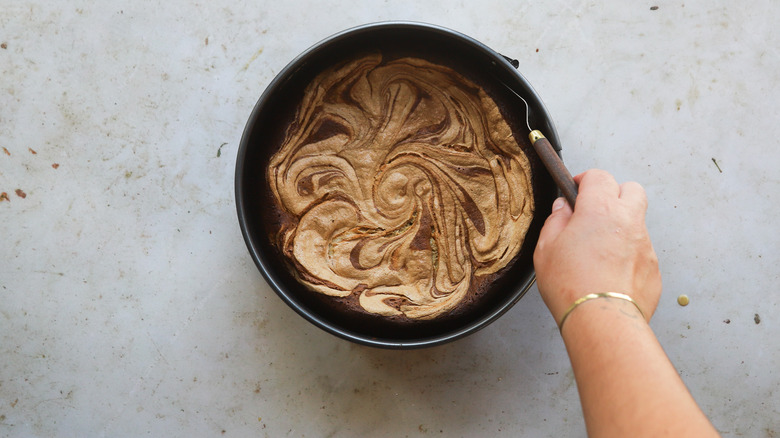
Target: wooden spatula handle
<point>554,165</point>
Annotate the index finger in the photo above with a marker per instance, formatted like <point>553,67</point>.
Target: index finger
<point>596,185</point>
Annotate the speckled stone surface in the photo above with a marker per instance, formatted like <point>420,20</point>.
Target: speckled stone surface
<point>129,305</point>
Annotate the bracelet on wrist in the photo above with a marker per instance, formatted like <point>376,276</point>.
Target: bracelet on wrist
<point>589,297</point>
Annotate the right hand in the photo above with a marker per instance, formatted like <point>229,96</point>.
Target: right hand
<point>602,246</point>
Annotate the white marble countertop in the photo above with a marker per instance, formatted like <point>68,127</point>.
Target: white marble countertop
<point>130,306</point>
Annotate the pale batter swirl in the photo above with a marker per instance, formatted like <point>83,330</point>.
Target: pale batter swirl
<point>405,183</point>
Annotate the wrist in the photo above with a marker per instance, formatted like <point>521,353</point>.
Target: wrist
<point>596,296</point>
<point>602,306</point>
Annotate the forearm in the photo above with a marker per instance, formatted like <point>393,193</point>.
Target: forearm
<point>626,383</point>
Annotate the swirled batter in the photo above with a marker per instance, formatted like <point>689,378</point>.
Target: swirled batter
<point>405,184</point>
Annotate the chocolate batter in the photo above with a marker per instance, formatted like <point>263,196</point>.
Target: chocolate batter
<point>403,185</point>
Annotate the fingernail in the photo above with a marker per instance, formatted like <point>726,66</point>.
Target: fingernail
<point>558,204</point>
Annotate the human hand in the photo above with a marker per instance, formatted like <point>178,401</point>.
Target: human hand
<point>603,246</point>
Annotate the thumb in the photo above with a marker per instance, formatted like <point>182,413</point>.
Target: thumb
<point>556,222</point>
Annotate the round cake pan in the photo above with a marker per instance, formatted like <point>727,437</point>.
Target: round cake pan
<point>266,124</point>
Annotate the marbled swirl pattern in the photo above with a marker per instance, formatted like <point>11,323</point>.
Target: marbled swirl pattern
<point>405,184</point>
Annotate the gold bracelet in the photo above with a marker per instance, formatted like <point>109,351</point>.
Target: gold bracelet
<point>589,297</point>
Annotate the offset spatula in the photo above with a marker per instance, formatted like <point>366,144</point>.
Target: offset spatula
<point>550,158</point>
